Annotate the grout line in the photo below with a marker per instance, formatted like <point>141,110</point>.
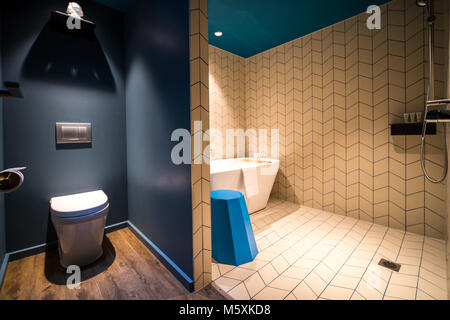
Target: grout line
<point>375,252</point>
<point>420,266</point>
<point>312,270</point>
<point>336,273</point>
<point>390,277</point>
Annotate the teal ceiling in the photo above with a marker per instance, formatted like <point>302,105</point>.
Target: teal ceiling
<point>253,26</point>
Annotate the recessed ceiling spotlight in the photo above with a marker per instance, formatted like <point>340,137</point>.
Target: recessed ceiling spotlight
<point>218,33</point>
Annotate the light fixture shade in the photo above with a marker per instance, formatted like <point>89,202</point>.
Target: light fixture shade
<point>74,9</point>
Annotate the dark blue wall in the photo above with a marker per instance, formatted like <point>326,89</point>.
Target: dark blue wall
<point>2,197</point>
<point>158,99</point>
<point>69,79</point>
<point>121,5</point>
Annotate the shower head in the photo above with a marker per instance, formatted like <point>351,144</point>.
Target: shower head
<point>422,3</point>
<point>430,9</point>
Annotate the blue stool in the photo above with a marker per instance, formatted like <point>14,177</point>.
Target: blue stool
<point>233,241</point>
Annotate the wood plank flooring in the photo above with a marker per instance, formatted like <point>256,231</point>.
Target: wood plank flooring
<point>126,271</point>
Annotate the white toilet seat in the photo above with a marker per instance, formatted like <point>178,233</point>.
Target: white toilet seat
<point>79,205</point>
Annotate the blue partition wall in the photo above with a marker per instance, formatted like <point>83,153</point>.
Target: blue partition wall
<point>158,102</point>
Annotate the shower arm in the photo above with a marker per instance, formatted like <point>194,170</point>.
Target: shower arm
<point>431,102</point>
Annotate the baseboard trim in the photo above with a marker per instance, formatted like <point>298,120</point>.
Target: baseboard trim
<point>3,269</point>
<point>115,227</point>
<point>28,252</point>
<point>185,280</point>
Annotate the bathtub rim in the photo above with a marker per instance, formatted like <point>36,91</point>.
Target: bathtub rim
<point>257,165</point>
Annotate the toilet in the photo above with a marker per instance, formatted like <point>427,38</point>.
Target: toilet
<point>79,221</point>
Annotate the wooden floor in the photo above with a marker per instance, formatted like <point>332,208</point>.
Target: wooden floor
<point>126,271</point>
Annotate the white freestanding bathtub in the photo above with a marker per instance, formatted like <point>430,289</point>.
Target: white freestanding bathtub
<point>260,174</point>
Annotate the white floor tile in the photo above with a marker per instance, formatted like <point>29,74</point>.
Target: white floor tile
<point>358,262</point>
<point>423,296</point>
<point>432,290</point>
<point>267,256</point>
<point>336,293</point>
<point>296,273</point>
<point>415,261</point>
<point>280,264</point>
<point>255,264</point>
<point>254,284</point>
<point>412,245</point>
<point>376,278</point>
<point>345,281</point>
<point>290,297</point>
<point>306,253</point>
<point>357,296</point>
<point>315,282</point>
<point>432,277</point>
<point>333,263</point>
<point>410,252</point>
<point>224,268</point>
<point>239,273</point>
<point>306,264</point>
<point>352,271</point>
<point>239,293</point>
<point>409,270</point>
<point>226,284</point>
<point>304,292</point>
<point>396,291</point>
<point>325,273</point>
<point>290,256</point>
<point>284,283</point>
<point>439,270</point>
<point>392,298</point>
<point>268,273</point>
<point>317,254</point>
<point>362,254</point>
<point>403,280</point>
<point>271,294</point>
<point>368,292</point>
<point>215,271</point>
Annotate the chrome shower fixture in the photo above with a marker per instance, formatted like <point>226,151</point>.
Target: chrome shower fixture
<point>429,5</point>
<point>433,115</point>
<point>422,3</point>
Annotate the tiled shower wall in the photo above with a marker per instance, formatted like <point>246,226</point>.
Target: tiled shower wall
<point>201,208</point>
<point>332,95</point>
<point>227,95</point>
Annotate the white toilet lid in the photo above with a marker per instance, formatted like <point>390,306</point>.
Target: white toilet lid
<point>77,205</point>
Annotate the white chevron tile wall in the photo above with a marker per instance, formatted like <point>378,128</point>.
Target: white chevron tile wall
<point>200,111</point>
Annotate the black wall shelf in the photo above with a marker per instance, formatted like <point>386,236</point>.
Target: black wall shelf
<point>411,129</point>
<point>11,90</point>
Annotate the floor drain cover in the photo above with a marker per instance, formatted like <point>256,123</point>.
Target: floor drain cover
<point>390,265</point>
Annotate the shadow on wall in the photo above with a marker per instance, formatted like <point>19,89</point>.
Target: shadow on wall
<point>433,147</point>
<point>74,59</point>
